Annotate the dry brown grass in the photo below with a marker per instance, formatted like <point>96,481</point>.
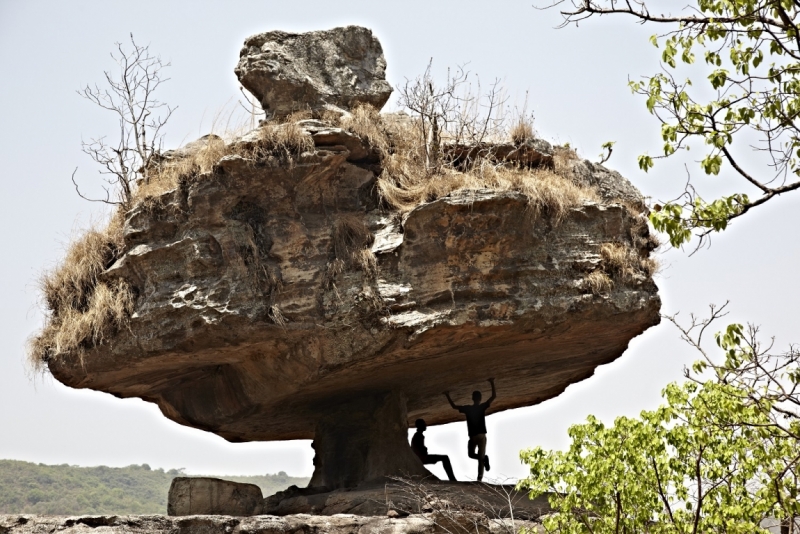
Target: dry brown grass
<point>521,131</point>
<point>81,309</point>
<point>406,182</point>
<point>625,263</point>
<point>282,142</point>
<point>278,143</point>
<point>598,283</point>
<point>366,122</point>
<point>351,244</point>
<point>404,185</point>
<point>169,174</point>
<point>563,158</point>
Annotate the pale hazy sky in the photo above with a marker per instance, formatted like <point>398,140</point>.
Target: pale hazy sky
<point>576,79</point>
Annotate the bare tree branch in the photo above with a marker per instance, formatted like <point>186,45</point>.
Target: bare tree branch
<point>130,95</point>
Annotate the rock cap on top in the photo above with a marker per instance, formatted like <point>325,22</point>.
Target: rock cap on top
<point>333,69</point>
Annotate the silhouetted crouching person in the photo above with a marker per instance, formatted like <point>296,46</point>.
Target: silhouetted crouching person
<point>419,448</point>
<point>476,426</point>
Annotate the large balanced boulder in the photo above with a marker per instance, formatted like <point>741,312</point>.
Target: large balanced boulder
<point>297,289</point>
<point>323,70</point>
<point>255,321</point>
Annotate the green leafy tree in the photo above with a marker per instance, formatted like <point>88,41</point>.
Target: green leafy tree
<point>751,51</point>
<point>720,456</point>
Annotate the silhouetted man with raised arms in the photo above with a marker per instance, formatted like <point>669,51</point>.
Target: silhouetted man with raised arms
<point>476,426</point>
<point>419,448</point>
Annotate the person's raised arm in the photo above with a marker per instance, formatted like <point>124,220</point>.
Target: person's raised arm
<point>494,393</point>
<point>453,404</point>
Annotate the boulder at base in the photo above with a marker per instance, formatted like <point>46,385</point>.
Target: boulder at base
<point>212,496</point>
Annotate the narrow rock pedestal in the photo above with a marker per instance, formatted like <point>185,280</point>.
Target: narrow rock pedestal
<point>364,439</point>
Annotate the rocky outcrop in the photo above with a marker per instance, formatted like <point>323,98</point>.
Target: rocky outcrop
<point>250,321</point>
<point>254,319</point>
<point>213,496</point>
<point>300,524</point>
<point>278,296</point>
<point>323,70</point>
<point>396,498</point>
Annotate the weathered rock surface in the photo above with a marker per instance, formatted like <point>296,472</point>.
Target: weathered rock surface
<point>335,69</point>
<point>363,438</point>
<point>609,184</point>
<point>298,524</point>
<point>409,497</point>
<point>273,299</point>
<point>213,496</point>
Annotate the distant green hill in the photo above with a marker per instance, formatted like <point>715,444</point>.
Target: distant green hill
<point>28,488</point>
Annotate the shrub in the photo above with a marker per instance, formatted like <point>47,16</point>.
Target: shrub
<point>598,283</point>
<point>82,309</point>
<point>624,263</point>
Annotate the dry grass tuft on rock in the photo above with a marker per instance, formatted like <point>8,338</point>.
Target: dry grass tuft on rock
<point>351,244</point>
<point>407,180</point>
<point>521,131</point>
<point>404,185</point>
<point>563,158</point>
<point>81,309</point>
<point>195,160</point>
<point>366,122</point>
<point>278,142</point>
<point>284,142</point>
<point>625,264</point>
<point>598,283</point>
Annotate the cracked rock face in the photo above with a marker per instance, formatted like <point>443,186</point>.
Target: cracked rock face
<point>253,318</point>
<point>323,70</point>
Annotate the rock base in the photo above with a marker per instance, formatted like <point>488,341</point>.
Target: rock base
<point>361,440</point>
<point>388,498</point>
<point>407,498</point>
<point>296,524</point>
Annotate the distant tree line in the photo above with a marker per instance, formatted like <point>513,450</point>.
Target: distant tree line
<point>29,488</point>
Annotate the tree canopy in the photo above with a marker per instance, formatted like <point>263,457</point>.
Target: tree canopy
<point>720,456</point>
<point>751,53</point>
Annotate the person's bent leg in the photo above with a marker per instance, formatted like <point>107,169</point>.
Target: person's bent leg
<point>448,469</point>
<point>471,446</point>
<point>434,458</point>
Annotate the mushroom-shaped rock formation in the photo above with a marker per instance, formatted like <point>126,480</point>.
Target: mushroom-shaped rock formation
<point>280,302</point>
<point>281,294</point>
<point>324,70</point>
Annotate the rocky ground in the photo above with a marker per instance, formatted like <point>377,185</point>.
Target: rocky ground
<point>294,524</point>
